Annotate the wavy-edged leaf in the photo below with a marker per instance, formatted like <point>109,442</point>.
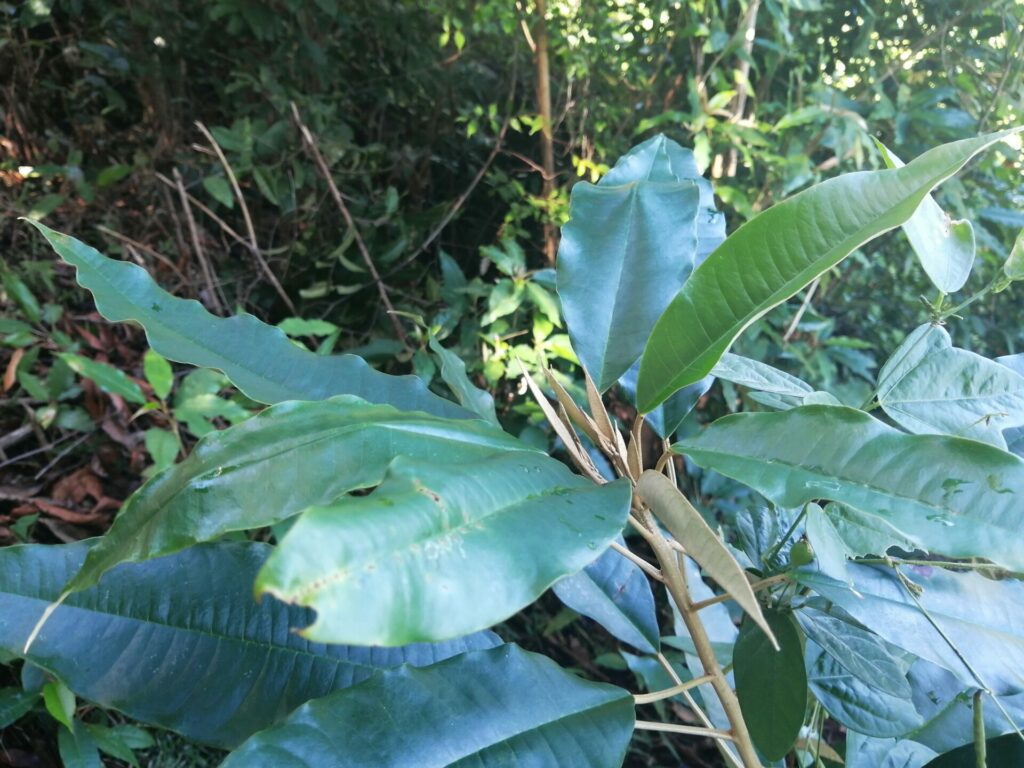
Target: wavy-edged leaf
<point>274,465</point>
<point>944,246</point>
<point>701,543</point>
<point>616,594</point>
<point>179,641</point>
<point>982,617</point>
<point>771,684</point>
<point>778,252</point>
<point>856,703</point>
<point>503,708</point>
<point>955,496</point>
<point>929,386</point>
<point>258,358</point>
<point>436,551</point>
<point>628,247</point>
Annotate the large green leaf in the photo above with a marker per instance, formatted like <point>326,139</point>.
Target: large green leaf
<point>863,654</point>
<point>627,249</point>
<point>436,551</point>
<point>258,358</point>
<point>274,465</point>
<point>929,386</point>
<point>980,616</point>
<point>856,703</point>
<point>615,593</point>
<point>771,684</point>
<point>944,246</point>
<point>955,496</point>
<point>179,641</point>
<point>502,708</point>
<point>777,253</point>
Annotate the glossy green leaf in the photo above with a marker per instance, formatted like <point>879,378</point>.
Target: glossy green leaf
<point>944,246</point>
<point>274,465</point>
<point>15,704</point>
<point>259,359</point>
<point>106,377</point>
<point>453,371</point>
<point>60,703</point>
<point>627,249</point>
<point>929,386</point>
<point>158,373</point>
<point>771,684</point>
<point>701,543</point>
<point>615,593</point>
<point>955,496</point>
<point>857,704</point>
<point>1001,751</point>
<point>503,708</point>
<point>861,653</point>
<point>778,252</point>
<point>179,641</point>
<point>980,616</point>
<point>769,386</point>
<point>436,552</point>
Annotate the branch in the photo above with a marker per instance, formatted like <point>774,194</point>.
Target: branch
<point>321,164</point>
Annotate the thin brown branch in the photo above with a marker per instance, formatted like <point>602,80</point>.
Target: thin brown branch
<point>197,247</point>
<point>321,164</point>
<point>254,247</point>
<point>145,248</point>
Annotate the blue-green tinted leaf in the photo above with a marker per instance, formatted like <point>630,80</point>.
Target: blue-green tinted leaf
<point>503,708</point>
<point>616,594</point>
<point>215,672</point>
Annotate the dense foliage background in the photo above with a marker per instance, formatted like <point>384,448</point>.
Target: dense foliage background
<point>127,125</point>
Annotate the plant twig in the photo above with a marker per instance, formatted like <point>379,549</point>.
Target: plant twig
<point>646,567</point>
<point>668,693</point>
<point>197,246</point>
<point>756,586</point>
<point>689,730</point>
<point>800,312</point>
<point>321,164</point>
<point>254,247</point>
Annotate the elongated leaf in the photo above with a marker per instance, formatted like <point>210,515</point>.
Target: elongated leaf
<point>179,641</point>
<point>701,543</point>
<point>857,704</point>
<point>258,358</point>
<point>929,386</point>
<point>453,371</point>
<point>981,617</point>
<point>78,748</point>
<point>869,752</point>
<point>629,245</point>
<point>861,653</point>
<point>778,252</point>
<point>759,376</point>
<point>273,466</point>
<point>436,549</point>
<point>944,246</point>
<point>616,594</point>
<point>866,534</point>
<point>1013,268</point>
<point>503,708</point>
<point>106,377</point>
<point>771,684</point>
<point>955,496</point>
